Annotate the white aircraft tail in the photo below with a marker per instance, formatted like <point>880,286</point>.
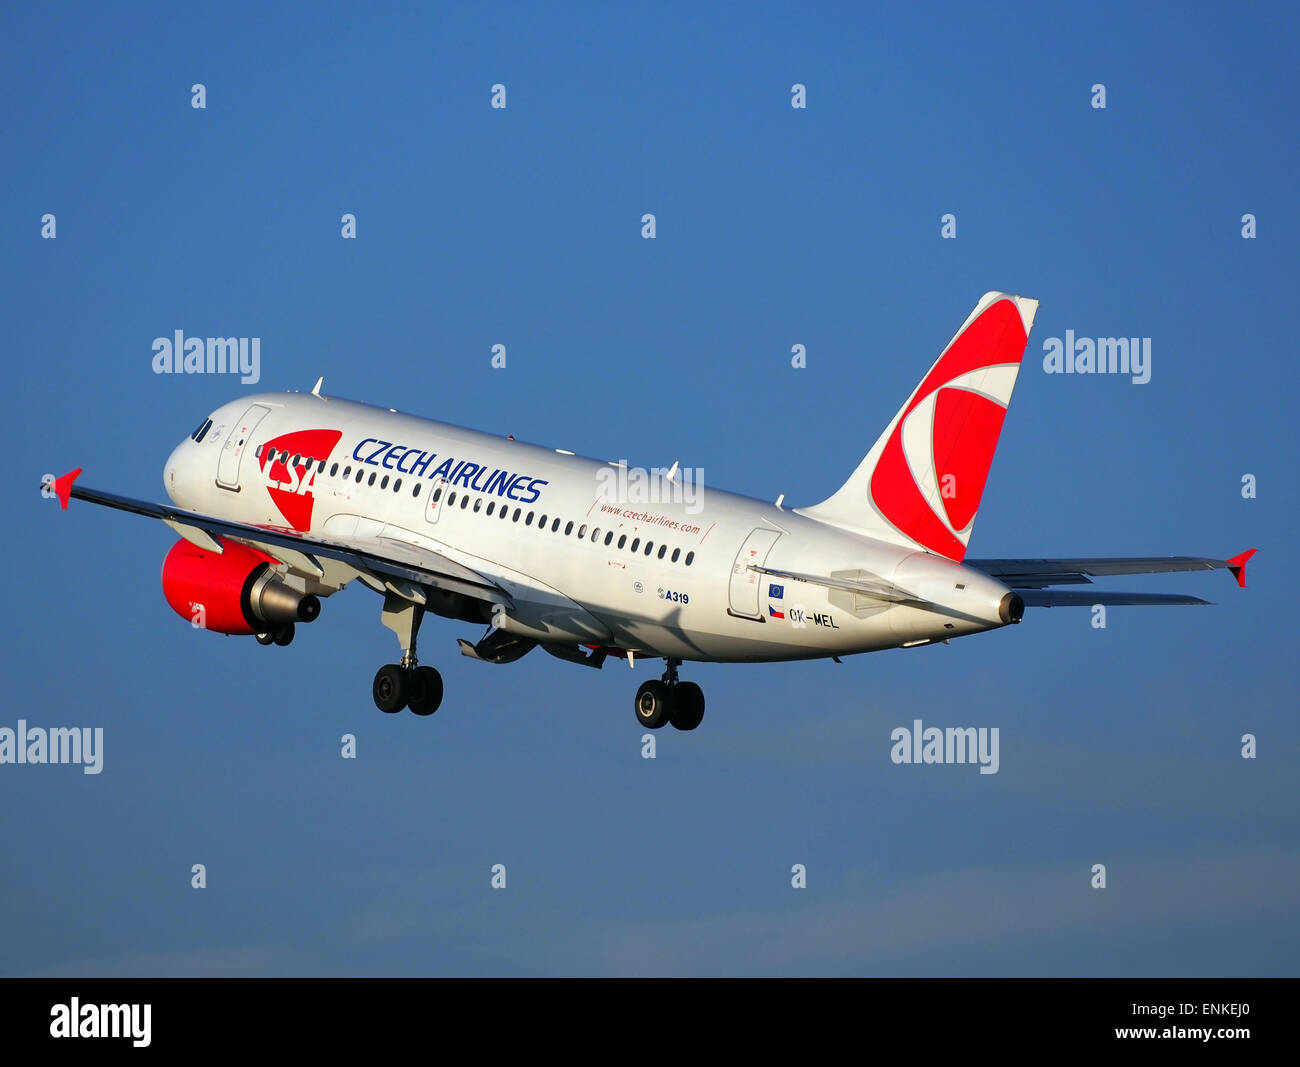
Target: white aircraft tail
<point>921,483</point>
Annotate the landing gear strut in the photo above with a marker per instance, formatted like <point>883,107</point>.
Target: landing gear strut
<point>406,684</point>
<point>670,701</point>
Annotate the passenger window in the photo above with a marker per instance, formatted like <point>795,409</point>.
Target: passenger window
<point>676,552</point>
<point>416,490</point>
<point>635,541</point>
<point>397,486</point>
<point>437,494</point>
<point>529,521</point>
<point>334,470</point>
<point>689,557</point>
<point>478,503</point>
<point>568,529</point>
<point>451,499</point>
<point>517,513</point>
<point>464,502</point>
<point>347,471</point>
<point>541,523</point>
<point>582,532</point>
<point>622,540</point>
<point>371,479</point>
<point>360,474</point>
<point>649,545</point>
<point>384,483</point>
<point>609,537</point>
<point>662,550</point>
<point>491,504</point>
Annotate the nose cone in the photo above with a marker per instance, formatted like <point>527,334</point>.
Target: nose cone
<point>173,472</point>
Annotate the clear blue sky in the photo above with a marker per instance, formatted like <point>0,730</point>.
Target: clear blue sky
<point>775,227</point>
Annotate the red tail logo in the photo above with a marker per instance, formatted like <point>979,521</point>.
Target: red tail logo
<point>930,476</point>
<point>289,467</point>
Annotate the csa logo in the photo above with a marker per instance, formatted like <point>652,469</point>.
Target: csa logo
<point>289,464</point>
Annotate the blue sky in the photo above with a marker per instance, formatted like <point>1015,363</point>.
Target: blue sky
<point>776,227</point>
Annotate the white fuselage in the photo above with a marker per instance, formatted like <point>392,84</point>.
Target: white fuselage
<point>585,577</point>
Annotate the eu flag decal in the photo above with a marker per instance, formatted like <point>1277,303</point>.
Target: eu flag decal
<point>776,592</point>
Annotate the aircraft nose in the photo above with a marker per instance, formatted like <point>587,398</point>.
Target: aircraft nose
<point>172,471</point>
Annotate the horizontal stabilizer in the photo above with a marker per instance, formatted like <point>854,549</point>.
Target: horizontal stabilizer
<point>1066,598</point>
<point>1036,573</point>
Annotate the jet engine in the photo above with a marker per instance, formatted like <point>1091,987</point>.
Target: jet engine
<point>236,592</point>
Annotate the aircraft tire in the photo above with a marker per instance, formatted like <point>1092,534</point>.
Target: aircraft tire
<point>686,706</point>
<point>425,690</point>
<point>652,704</point>
<point>390,688</point>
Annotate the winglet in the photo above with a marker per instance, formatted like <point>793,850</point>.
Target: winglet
<point>63,487</point>
<point>1238,566</point>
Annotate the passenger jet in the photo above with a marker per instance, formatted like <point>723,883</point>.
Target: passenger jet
<point>281,500</point>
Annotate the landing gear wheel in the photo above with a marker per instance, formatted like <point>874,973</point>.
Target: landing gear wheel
<point>686,706</point>
<point>390,688</point>
<point>265,639</point>
<point>425,693</point>
<point>652,704</point>
<point>283,635</point>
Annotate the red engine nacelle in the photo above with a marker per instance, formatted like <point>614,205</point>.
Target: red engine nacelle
<point>236,592</point>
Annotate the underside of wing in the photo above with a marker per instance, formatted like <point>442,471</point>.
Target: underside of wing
<point>393,559</point>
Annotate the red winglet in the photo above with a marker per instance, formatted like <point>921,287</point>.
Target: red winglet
<point>1238,566</point>
<point>63,487</point>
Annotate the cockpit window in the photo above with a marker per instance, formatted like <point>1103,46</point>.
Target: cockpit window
<point>202,430</point>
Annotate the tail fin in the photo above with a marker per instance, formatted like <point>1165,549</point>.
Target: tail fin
<point>921,483</point>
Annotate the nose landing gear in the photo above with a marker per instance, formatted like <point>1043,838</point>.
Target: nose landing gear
<point>670,701</point>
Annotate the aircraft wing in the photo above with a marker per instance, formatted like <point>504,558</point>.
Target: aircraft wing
<point>389,561</point>
<point>1029,577</point>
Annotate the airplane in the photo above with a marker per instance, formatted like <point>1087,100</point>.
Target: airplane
<point>282,499</point>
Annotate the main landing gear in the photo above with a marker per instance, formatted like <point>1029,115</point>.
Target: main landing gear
<point>282,636</point>
<point>406,685</point>
<point>670,701</point>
